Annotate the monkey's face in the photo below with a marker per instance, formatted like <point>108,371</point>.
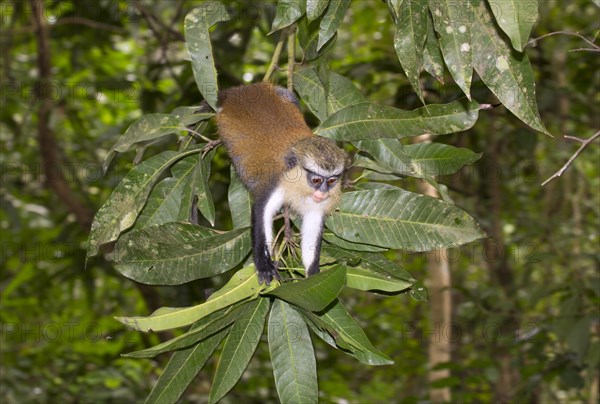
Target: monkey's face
<point>321,185</point>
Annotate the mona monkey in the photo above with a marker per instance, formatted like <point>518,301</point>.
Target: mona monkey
<point>281,162</point>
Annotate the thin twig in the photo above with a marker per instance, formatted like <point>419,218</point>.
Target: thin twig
<point>585,50</point>
<point>276,55</point>
<point>584,143</point>
<point>577,34</point>
<point>291,48</point>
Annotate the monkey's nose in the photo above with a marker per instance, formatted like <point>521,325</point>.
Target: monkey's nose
<point>319,196</point>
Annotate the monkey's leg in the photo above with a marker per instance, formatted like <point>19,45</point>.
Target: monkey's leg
<point>312,231</point>
<point>263,212</point>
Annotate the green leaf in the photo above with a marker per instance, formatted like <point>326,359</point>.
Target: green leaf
<point>452,21</point>
<point>147,128</point>
<point>292,355</point>
<point>206,204</point>
<point>121,209</point>
<point>402,219</point>
<point>190,172</point>
<point>239,202</point>
<point>314,8</point>
<point>166,199</point>
<point>424,160</point>
<point>197,39</point>
<point>346,330</point>
<point>409,40</point>
<point>217,321</point>
<point>516,18</point>
<point>243,285</point>
<point>182,368</point>
<point>507,74</point>
<point>433,61</point>
<point>331,21</point>
<point>238,348</point>
<point>342,92</point>
<point>321,331</point>
<point>175,253</point>
<point>596,2</point>
<point>371,121</point>
<point>419,292</point>
<point>308,38</point>
<point>349,245</point>
<point>315,292</point>
<point>287,13</point>
<point>371,271</point>
<point>191,115</point>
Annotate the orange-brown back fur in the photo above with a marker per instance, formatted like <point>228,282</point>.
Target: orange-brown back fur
<point>258,127</point>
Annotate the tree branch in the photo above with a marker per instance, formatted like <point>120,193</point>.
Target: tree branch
<point>51,157</point>
<point>577,34</point>
<point>584,143</point>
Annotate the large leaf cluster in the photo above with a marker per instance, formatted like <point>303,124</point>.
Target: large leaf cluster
<point>149,221</point>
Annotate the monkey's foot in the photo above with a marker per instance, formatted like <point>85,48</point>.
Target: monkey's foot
<point>266,274</point>
<point>210,145</point>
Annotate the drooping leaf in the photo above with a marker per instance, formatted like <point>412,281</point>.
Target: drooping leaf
<point>371,271</point>
<point>402,219</point>
<point>292,355</point>
<point>331,21</point>
<point>314,8</point>
<point>165,201</point>
<point>419,292</point>
<point>206,204</point>
<point>175,253</point>
<point>371,121</point>
<point>452,21</point>
<point>308,38</point>
<point>409,41</point>
<point>287,13</point>
<point>217,321</point>
<point>197,39</point>
<point>323,331</point>
<point>506,73</point>
<point>242,286</point>
<point>147,128</point>
<point>315,292</point>
<point>238,348</point>
<point>516,18</point>
<point>349,333</point>
<point>121,209</point>
<point>182,368</point>
<point>433,61</point>
<point>239,202</point>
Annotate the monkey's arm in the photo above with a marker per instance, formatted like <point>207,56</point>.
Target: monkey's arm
<point>263,212</point>
<point>312,231</point>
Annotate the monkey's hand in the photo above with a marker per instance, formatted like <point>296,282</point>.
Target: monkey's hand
<point>266,268</point>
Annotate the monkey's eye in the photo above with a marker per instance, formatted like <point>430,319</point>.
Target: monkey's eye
<point>316,181</point>
<point>331,181</point>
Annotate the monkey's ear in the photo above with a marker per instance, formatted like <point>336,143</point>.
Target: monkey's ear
<point>290,160</point>
<point>287,95</point>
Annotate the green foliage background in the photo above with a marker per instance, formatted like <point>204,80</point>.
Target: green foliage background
<point>525,305</point>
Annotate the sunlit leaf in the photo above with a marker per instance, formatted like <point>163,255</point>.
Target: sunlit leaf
<point>433,61</point>
<point>314,8</point>
<point>243,285</point>
<point>239,202</point>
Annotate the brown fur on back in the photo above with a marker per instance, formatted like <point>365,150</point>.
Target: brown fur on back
<point>258,127</point>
